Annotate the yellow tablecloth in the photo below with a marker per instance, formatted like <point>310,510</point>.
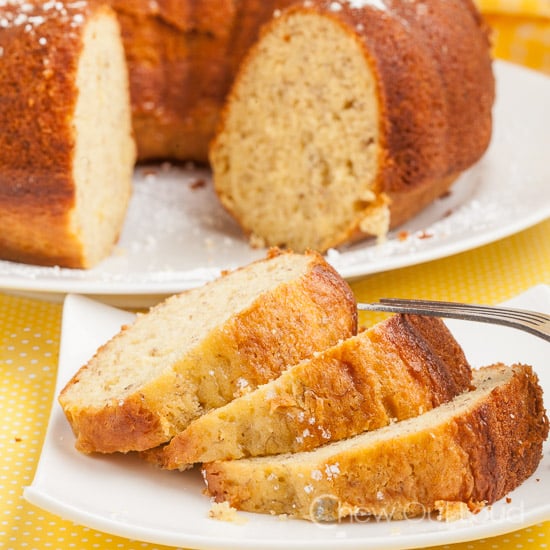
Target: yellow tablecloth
<point>29,338</point>
<point>30,331</point>
<point>521,30</point>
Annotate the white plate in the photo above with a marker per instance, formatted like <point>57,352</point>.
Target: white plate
<point>177,235</point>
<point>122,495</point>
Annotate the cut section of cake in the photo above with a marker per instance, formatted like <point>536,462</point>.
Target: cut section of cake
<point>399,368</point>
<point>473,450</point>
<point>66,148</point>
<point>202,348</point>
<point>347,118</point>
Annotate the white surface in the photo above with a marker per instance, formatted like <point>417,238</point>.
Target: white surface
<point>124,496</point>
<point>177,235</point>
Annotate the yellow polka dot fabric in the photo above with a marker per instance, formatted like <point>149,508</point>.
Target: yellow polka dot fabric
<point>29,340</point>
<point>520,31</point>
<point>489,274</point>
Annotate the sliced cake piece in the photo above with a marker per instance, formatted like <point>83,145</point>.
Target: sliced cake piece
<point>399,368</point>
<point>67,151</point>
<point>202,348</point>
<point>473,450</point>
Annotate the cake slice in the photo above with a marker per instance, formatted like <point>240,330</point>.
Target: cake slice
<point>399,368</point>
<point>67,151</point>
<point>472,450</point>
<point>200,349</point>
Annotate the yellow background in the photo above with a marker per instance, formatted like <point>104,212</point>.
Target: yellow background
<point>521,30</point>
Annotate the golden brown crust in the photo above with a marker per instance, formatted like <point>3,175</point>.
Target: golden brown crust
<point>115,428</point>
<point>39,62</point>
<point>511,428</point>
<point>431,352</point>
<point>171,43</point>
<point>398,369</point>
<point>467,88</point>
<point>41,47</point>
<point>298,311</point>
<point>477,455</point>
<point>281,326</point>
<point>436,87</point>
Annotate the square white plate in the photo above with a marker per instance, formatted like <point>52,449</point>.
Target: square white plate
<point>123,495</point>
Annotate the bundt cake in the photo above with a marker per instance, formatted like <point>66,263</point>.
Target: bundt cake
<point>66,147</point>
<point>349,116</point>
<point>198,350</point>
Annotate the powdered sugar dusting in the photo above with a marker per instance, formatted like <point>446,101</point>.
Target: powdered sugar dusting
<point>379,4</point>
<point>18,13</point>
<point>357,4</point>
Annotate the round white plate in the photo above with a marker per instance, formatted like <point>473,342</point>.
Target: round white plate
<point>125,496</point>
<point>177,235</point>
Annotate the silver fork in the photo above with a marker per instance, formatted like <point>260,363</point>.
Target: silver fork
<point>533,322</point>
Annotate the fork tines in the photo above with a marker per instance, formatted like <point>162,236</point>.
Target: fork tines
<point>533,322</point>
